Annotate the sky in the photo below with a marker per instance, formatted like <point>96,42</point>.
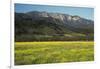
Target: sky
<point>84,12</point>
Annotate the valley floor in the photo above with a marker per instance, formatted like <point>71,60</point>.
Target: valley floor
<point>53,52</point>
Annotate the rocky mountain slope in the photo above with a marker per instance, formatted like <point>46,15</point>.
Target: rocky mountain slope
<point>43,24</point>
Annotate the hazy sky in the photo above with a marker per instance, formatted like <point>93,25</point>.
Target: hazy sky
<point>87,13</point>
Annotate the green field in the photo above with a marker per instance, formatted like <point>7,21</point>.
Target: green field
<point>53,52</point>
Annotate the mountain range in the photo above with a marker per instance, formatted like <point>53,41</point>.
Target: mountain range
<point>43,26</point>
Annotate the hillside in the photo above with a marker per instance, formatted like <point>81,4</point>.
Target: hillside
<point>44,26</point>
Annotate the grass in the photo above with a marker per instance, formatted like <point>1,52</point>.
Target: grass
<point>53,52</point>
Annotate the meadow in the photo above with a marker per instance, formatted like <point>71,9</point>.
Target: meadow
<point>53,52</point>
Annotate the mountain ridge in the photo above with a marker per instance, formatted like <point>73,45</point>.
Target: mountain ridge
<point>44,23</point>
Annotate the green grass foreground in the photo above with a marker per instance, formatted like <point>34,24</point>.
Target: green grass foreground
<point>53,52</point>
